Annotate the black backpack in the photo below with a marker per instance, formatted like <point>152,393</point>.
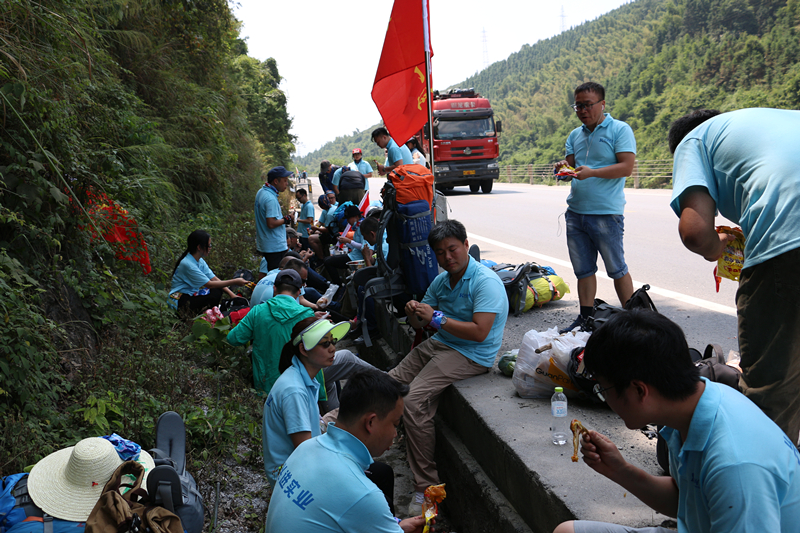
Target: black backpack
<point>603,311</point>
<point>352,179</point>
<point>515,280</point>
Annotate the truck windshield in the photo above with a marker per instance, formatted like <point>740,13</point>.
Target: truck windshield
<point>476,128</point>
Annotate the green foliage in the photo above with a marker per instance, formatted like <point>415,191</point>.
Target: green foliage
<point>148,103</point>
<point>658,59</point>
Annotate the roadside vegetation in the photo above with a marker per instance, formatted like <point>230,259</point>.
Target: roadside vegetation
<point>113,112</point>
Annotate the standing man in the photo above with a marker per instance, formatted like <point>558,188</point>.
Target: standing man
<point>744,164</point>
<point>350,191</point>
<point>731,469</point>
<point>306,217</point>
<point>326,174</point>
<point>395,155</point>
<point>270,222</point>
<point>467,305</point>
<point>603,152</point>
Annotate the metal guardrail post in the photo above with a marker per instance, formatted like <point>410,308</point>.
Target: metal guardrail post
<point>635,174</point>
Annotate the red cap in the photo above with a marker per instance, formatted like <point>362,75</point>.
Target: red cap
<point>356,150</point>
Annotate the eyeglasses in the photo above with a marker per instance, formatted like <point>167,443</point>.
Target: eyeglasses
<point>598,390</point>
<point>581,107</point>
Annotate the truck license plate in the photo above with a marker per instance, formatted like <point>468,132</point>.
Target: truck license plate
<point>469,172</point>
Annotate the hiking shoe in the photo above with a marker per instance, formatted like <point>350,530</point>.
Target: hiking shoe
<point>578,324</point>
<point>415,507</point>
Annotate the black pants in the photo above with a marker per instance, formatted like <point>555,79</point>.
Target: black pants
<point>383,476</point>
<point>196,304</point>
<point>333,264</point>
<point>273,259</point>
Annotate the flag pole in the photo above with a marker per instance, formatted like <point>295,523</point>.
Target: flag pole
<point>427,37</point>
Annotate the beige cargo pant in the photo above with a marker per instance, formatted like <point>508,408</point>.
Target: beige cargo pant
<point>428,369</point>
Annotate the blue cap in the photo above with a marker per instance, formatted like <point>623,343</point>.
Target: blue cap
<point>277,172</point>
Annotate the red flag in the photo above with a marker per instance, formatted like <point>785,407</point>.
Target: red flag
<point>400,88</point>
<point>363,205</point>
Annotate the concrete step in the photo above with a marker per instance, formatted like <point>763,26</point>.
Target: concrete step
<point>494,451</point>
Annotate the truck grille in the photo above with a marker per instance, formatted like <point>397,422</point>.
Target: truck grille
<point>468,151</point>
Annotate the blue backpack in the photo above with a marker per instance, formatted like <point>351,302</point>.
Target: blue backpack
<point>18,513</point>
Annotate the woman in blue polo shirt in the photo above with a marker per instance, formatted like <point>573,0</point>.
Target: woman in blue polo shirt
<point>291,413</point>
<point>194,286</point>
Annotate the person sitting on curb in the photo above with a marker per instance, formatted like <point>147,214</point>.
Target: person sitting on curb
<point>335,262</point>
<point>194,287</point>
<point>326,482</point>
<point>732,469</point>
<point>468,306</point>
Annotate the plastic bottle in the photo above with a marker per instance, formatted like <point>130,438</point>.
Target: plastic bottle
<point>560,424</point>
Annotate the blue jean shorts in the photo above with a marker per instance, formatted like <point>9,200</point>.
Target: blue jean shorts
<point>589,234</point>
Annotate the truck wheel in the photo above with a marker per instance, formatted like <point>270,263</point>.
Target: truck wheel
<point>474,186</point>
<point>486,186</point>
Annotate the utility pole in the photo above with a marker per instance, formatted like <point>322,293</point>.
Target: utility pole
<point>485,50</point>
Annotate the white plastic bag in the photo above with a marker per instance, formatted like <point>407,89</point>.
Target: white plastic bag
<point>537,374</point>
<point>328,296</point>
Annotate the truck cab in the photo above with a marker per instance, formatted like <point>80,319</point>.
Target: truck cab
<point>465,141</point>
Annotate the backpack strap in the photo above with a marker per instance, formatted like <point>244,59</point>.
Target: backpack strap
<point>47,523</point>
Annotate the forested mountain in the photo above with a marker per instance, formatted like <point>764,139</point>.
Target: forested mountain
<point>657,59</point>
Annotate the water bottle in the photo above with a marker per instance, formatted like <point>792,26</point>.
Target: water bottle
<point>558,406</point>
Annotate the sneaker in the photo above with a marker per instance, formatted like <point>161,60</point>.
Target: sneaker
<point>578,324</point>
<point>415,507</point>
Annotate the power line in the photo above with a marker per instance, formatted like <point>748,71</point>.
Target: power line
<point>485,50</point>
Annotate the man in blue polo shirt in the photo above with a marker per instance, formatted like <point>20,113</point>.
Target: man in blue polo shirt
<point>744,164</point>
<point>270,222</point>
<point>731,469</point>
<point>468,306</point>
<point>323,486</point>
<point>306,216</point>
<point>395,155</point>
<point>603,152</point>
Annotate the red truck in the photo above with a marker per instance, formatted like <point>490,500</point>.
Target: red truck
<point>465,144</point>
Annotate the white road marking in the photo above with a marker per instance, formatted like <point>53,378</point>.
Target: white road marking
<point>546,259</point>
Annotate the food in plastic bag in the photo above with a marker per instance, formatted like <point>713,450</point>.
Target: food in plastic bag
<point>507,362</point>
<point>730,264</point>
<point>535,374</point>
<point>430,506</point>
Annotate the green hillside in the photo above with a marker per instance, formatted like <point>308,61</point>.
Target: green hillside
<point>657,59</point>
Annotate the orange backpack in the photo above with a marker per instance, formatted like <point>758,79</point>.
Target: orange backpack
<point>412,182</point>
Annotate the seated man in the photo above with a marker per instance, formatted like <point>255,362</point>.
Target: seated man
<point>468,305</point>
<point>731,468</point>
<point>322,485</point>
<point>264,288</point>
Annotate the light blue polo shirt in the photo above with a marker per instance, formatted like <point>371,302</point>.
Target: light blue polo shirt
<point>307,211</point>
<point>190,276</point>
<point>267,206</point>
<point>478,291</point>
<point>396,153</point>
<point>737,472</point>
<point>355,254</point>
<point>291,407</point>
<point>322,487</point>
<point>265,288</point>
<point>748,162</point>
<point>599,149</point>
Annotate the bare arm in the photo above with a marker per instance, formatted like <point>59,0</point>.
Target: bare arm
<point>622,168</point>
<point>216,283</point>
<point>273,223</point>
<point>602,455</point>
<point>475,330</point>
<point>696,226</point>
<point>336,190</point>
<point>299,438</point>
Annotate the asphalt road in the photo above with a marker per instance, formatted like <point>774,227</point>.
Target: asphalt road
<point>517,223</point>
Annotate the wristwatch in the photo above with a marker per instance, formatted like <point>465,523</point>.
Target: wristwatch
<point>443,322</point>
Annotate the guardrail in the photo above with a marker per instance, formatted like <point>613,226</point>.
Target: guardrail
<point>647,173</point>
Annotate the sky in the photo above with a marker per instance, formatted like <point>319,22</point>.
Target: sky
<point>328,51</point>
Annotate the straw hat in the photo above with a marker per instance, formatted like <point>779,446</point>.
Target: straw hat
<point>67,484</point>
